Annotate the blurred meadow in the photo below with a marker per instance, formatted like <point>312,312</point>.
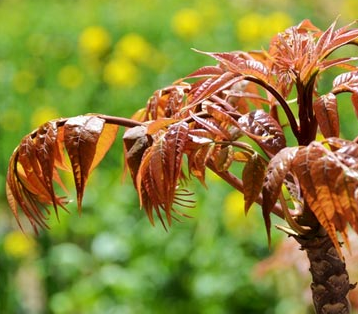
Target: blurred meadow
<point>66,58</point>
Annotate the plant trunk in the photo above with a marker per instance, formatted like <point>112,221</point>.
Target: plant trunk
<point>330,280</point>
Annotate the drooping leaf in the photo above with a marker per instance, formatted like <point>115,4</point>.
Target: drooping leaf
<point>159,172</point>
<point>31,168</point>
<point>323,173</point>
<point>19,196</point>
<point>176,139</point>
<point>325,108</point>
<point>277,170</point>
<point>347,182</point>
<point>253,177</point>
<point>28,184</point>
<point>81,135</point>
<point>346,190</point>
<point>135,143</point>
<point>49,153</point>
<point>304,161</point>
<point>263,129</point>
<point>329,182</point>
<point>34,166</point>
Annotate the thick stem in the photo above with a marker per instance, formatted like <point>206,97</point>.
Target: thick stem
<point>330,280</point>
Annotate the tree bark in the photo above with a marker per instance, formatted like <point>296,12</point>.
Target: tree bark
<point>330,280</point>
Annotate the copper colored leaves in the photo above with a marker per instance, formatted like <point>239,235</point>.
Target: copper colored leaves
<point>34,165</point>
<point>325,108</point>
<point>156,169</point>
<point>328,181</point>
<point>265,130</point>
<point>237,111</point>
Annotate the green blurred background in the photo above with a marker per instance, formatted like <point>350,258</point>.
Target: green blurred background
<point>65,58</point>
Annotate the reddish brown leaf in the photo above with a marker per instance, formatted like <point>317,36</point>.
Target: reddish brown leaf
<point>252,178</point>
<point>241,63</point>
<point>31,168</point>
<point>305,160</point>
<point>346,190</point>
<point>214,85</point>
<point>176,138</point>
<point>324,171</point>
<point>277,169</point>
<point>263,129</point>
<point>229,60</point>
<point>135,143</point>
<point>325,39</point>
<point>346,82</point>
<point>28,183</point>
<point>215,129</point>
<point>222,117</point>
<point>325,108</point>
<point>81,136</point>
<point>256,69</point>
<point>340,38</point>
<point>342,63</point>
<point>49,154</point>
<point>206,71</point>
<point>160,171</point>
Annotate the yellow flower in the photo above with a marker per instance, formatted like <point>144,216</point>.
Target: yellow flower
<point>17,245</point>
<point>70,77</point>
<point>134,47</point>
<point>94,41</point>
<point>249,27</point>
<point>120,72</point>
<point>234,212</point>
<point>42,115</point>
<point>276,22</point>
<point>255,27</point>
<point>234,217</point>
<point>24,81</point>
<point>187,23</point>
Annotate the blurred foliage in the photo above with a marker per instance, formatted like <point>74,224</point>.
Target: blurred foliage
<point>65,58</point>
